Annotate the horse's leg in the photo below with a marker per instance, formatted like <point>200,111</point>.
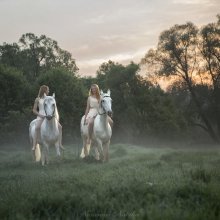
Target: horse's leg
<point>84,152</point>
<point>33,152</point>
<point>43,159</point>
<point>82,155</point>
<point>86,146</point>
<point>34,142</point>
<point>94,145</point>
<point>57,146</point>
<point>106,151</point>
<point>47,154</point>
<point>60,136</point>
<point>36,135</point>
<point>45,151</point>
<point>97,153</point>
<point>100,149</point>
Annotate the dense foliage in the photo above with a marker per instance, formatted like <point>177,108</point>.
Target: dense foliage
<point>192,56</point>
<point>142,110</point>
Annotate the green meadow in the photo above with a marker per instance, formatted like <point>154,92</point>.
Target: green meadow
<point>138,182</point>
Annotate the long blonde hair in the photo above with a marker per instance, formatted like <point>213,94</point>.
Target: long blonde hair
<point>43,89</point>
<point>97,91</point>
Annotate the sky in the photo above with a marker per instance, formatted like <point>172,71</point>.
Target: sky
<point>96,31</point>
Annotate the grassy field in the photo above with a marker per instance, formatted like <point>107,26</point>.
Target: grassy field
<point>137,183</point>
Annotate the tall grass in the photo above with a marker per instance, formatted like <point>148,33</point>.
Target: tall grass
<point>137,183</point>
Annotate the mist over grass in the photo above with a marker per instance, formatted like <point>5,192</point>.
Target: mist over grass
<point>139,182</point>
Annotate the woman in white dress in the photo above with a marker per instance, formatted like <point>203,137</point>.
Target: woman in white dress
<point>39,111</point>
<point>92,109</point>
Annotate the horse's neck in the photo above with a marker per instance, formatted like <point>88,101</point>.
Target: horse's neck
<point>52,124</point>
<point>103,118</point>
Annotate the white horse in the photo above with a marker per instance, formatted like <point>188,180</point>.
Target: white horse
<point>102,131</point>
<point>49,132</point>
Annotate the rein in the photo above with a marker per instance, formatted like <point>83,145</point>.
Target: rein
<point>103,109</point>
<point>102,113</point>
<point>53,114</point>
<point>105,96</point>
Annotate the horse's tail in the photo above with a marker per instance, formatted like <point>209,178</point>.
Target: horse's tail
<point>37,153</point>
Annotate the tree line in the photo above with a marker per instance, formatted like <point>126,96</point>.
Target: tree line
<point>192,55</point>
<point>189,108</point>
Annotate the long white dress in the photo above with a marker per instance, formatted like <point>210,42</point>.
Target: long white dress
<point>93,110</point>
<point>41,108</point>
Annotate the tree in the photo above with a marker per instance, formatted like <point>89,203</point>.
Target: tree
<point>209,45</point>
<point>43,53</point>
<point>9,55</point>
<point>177,55</point>
<point>34,55</point>
<point>14,90</point>
<point>15,95</point>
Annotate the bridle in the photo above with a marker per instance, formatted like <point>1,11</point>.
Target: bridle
<point>49,117</point>
<point>105,112</point>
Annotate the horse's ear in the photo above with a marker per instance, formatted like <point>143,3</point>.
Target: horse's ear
<point>53,95</point>
<point>109,92</point>
<point>101,92</point>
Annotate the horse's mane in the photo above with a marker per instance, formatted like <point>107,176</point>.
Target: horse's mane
<point>57,114</point>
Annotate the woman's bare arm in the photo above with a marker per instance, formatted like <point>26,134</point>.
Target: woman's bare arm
<point>35,111</point>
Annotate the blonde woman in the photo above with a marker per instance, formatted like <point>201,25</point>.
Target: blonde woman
<point>39,111</point>
<point>92,109</point>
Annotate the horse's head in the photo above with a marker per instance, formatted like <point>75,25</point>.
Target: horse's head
<point>106,102</point>
<point>49,106</point>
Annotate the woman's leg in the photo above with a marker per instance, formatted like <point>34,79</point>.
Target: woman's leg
<point>90,129</point>
<point>37,133</point>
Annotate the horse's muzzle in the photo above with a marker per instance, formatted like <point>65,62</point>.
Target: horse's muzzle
<point>49,117</point>
<point>109,113</point>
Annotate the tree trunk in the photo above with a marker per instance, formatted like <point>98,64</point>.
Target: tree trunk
<point>210,130</point>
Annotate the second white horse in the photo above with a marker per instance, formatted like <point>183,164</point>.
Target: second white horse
<point>102,131</point>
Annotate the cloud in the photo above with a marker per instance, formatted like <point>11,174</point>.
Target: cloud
<point>192,2</point>
<point>96,20</point>
<point>95,31</point>
<point>89,67</point>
